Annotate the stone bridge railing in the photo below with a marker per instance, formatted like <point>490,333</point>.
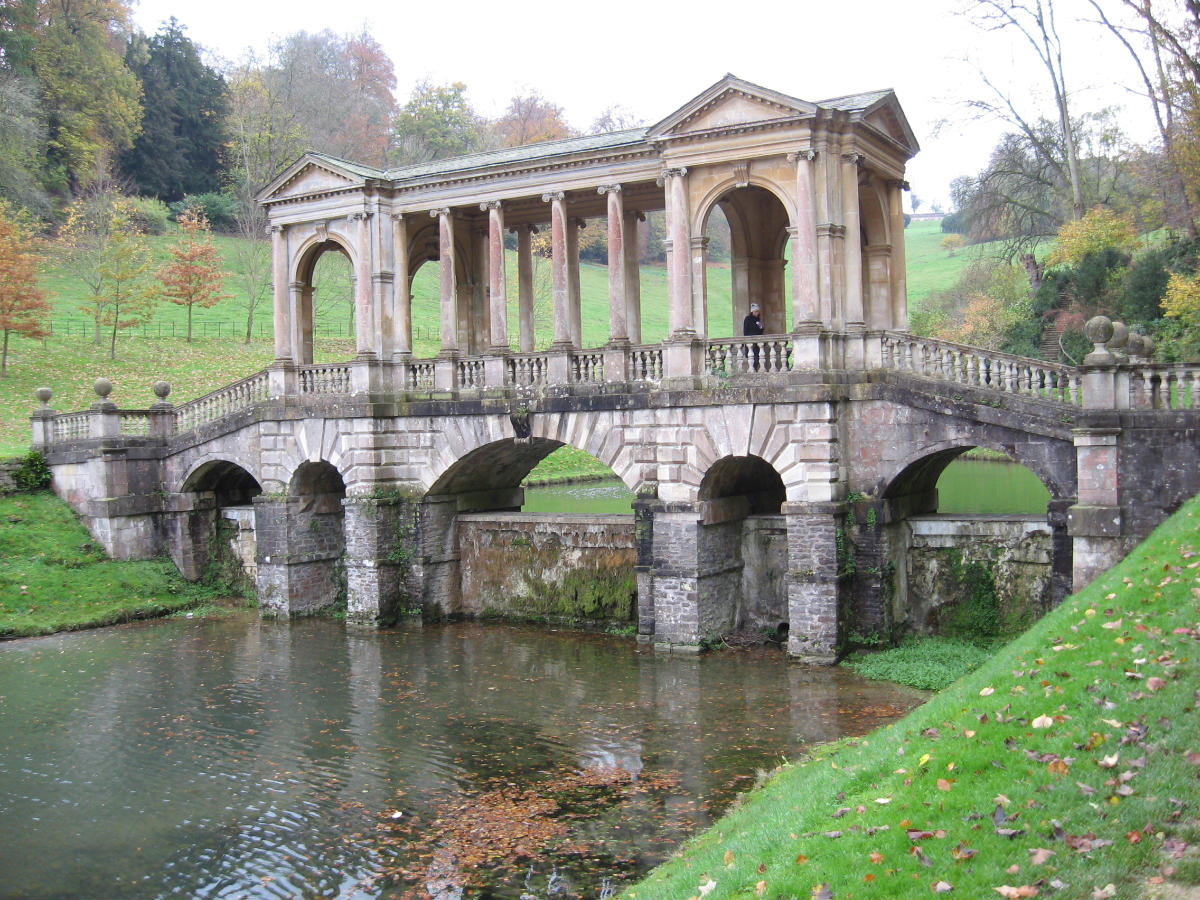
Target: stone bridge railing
<point>973,367</point>
<point>1118,381</point>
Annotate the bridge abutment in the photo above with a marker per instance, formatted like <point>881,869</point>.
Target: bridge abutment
<point>813,585</point>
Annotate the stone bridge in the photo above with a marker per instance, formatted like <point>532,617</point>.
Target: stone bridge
<point>788,470</point>
<point>778,468</point>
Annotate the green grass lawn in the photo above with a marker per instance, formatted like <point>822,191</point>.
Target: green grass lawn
<point>1066,766</point>
<point>54,577</point>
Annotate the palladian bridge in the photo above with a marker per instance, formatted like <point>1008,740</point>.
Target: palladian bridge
<point>357,473</point>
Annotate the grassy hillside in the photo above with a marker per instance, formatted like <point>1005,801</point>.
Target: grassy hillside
<point>1065,766</point>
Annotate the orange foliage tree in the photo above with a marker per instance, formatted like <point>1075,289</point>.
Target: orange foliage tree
<point>193,277</point>
<point>23,306</point>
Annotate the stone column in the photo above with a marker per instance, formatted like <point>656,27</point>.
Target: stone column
<point>558,364</point>
<point>281,295</point>
<point>699,256</point>
<point>364,332</point>
<point>879,287</point>
<point>827,196</point>
<point>899,294</point>
<point>445,375</point>
<point>633,278</point>
<point>558,264</point>
<point>618,331</point>
<point>447,280</point>
<point>806,297</point>
<point>302,322</point>
<point>479,310</point>
<point>855,318</point>
<point>677,618</point>
<point>679,272</point>
<point>495,364</point>
<point>573,293</point>
<point>402,346</point>
<point>497,282</point>
<point>525,285</point>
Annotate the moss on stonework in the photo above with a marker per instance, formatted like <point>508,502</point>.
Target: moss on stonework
<point>582,596</point>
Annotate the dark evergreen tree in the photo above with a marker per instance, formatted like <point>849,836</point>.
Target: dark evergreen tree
<point>179,150</point>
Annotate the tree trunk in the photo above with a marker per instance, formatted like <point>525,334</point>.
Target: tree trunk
<point>189,339</point>
<point>4,357</point>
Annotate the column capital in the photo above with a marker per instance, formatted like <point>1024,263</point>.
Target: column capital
<point>489,204</point>
<point>579,222</point>
<point>855,159</point>
<point>671,172</point>
<point>551,196</point>
<point>524,226</point>
<point>360,216</point>
<point>397,217</point>
<point>273,229</point>
<point>898,183</point>
<point>796,155</point>
<point>440,211</point>
<point>608,189</point>
<point>700,243</point>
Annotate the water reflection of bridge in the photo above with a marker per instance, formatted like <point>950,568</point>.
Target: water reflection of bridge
<point>782,465</point>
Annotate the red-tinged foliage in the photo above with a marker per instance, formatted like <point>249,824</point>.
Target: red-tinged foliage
<point>193,277</point>
<point>23,306</point>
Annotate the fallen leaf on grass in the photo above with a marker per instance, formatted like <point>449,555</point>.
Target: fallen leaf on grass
<point>728,858</point>
<point>1043,722</point>
<point>1109,762</point>
<point>1015,893</point>
<point>706,887</point>
<point>876,857</point>
<point>942,887</point>
<point>1039,855</point>
<point>760,888</point>
<point>801,859</point>
<point>944,784</point>
<point>1155,683</point>
<point>987,692</point>
<point>821,892</point>
<point>1109,890</point>
<point>962,851</point>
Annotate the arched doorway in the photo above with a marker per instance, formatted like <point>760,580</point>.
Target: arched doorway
<point>752,223</point>
<point>742,548</point>
<point>324,289</point>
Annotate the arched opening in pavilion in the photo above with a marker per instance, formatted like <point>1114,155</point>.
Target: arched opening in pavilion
<point>753,223</point>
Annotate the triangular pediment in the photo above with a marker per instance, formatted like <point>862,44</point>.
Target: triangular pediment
<point>730,103</point>
<point>887,118</point>
<point>313,174</point>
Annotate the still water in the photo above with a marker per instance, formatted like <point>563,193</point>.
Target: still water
<point>968,486</point>
<point>239,758</point>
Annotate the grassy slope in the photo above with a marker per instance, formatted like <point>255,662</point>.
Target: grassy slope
<point>54,577</point>
<point>1087,725</point>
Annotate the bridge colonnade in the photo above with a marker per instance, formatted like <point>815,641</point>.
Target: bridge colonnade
<point>817,184</point>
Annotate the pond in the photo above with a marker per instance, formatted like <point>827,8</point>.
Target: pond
<point>968,486</point>
<point>234,757</point>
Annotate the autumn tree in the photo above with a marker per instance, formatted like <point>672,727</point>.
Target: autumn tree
<point>436,122</point>
<point>23,306</point>
<point>83,243</point>
<point>90,99</point>
<point>193,277</point>
<point>530,118</point>
<point>126,294</point>
<point>1100,229</point>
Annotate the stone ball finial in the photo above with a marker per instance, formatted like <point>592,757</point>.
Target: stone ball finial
<point>1120,336</point>
<point>1099,330</point>
<point>103,387</point>
<point>162,389</point>
<point>1147,346</point>
<point>1135,345</point>
<point>44,394</point>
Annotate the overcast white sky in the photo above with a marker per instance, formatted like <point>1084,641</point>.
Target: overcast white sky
<point>651,57</point>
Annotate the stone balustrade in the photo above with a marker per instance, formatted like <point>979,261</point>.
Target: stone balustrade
<point>974,367</point>
<point>1121,380</point>
<point>220,403</point>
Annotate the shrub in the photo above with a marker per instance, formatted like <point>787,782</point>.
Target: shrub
<point>151,216</point>
<point>928,663</point>
<point>33,474</point>
<point>220,209</point>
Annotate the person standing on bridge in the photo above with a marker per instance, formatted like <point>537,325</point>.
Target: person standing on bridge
<point>752,326</point>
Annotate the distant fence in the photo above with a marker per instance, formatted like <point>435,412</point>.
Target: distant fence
<point>85,328</point>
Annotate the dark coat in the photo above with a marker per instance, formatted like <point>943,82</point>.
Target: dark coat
<point>752,326</point>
